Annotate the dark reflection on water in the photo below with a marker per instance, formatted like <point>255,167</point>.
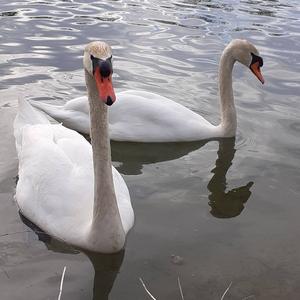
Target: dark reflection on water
<point>224,204</point>
<point>231,203</point>
<point>106,266</point>
<point>133,156</point>
<point>8,13</point>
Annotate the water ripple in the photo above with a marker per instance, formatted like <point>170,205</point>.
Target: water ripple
<point>173,48</point>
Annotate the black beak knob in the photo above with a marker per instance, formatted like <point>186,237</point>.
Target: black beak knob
<point>109,101</point>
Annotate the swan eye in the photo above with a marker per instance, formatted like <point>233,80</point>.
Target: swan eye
<point>255,59</point>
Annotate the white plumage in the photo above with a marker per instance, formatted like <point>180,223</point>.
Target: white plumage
<point>56,185</point>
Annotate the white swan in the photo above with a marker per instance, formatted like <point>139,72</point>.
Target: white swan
<point>66,186</point>
<point>147,117</point>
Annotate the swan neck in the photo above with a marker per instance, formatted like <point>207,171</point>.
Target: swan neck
<point>228,112</point>
<point>106,223</point>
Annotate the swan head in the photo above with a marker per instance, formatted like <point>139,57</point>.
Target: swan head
<point>97,61</point>
<point>247,54</point>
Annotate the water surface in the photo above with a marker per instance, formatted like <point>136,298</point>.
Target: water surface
<point>210,212</point>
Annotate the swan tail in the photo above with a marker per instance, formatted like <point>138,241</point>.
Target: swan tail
<point>54,111</point>
<point>74,114</point>
<point>27,115</point>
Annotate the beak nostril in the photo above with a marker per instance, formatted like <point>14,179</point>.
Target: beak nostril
<point>109,101</point>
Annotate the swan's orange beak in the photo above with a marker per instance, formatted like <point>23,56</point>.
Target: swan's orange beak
<point>255,68</point>
<point>105,87</point>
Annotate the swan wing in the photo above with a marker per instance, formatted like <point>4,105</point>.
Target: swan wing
<point>123,200</point>
<point>55,189</point>
<point>79,104</point>
<point>56,179</point>
<point>148,117</point>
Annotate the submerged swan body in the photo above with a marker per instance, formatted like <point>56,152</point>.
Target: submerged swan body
<point>140,116</point>
<point>66,186</point>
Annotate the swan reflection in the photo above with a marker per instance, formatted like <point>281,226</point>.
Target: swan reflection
<point>133,156</point>
<point>224,204</point>
<point>231,203</point>
<point>106,266</point>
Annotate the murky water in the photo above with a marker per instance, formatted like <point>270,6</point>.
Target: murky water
<point>209,213</point>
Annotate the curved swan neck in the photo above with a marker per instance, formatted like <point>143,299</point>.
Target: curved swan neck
<point>106,218</point>
<point>228,113</point>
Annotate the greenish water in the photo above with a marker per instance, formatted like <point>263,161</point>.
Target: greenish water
<point>209,213</point>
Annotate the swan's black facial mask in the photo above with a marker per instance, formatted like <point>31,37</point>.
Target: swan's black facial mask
<point>105,66</point>
<point>102,72</point>
<point>255,59</point>
<point>256,64</point>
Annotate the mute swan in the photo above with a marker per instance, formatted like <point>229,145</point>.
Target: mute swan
<point>147,117</point>
<point>66,186</point>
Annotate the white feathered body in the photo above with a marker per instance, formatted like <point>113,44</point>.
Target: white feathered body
<point>56,178</point>
<point>138,116</point>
